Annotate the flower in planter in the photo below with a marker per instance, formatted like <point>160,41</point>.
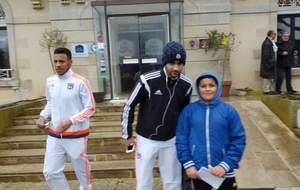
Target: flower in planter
<point>221,41</point>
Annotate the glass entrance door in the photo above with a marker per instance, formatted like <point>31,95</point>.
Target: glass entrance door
<point>136,44</point>
<point>291,23</point>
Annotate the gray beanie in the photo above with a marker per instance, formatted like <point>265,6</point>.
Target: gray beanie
<point>173,51</point>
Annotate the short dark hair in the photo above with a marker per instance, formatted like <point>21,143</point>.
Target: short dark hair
<point>207,76</point>
<point>270,32</point>
<point>63,50</point>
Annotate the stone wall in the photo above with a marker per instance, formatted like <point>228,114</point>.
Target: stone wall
<point>9,112</point>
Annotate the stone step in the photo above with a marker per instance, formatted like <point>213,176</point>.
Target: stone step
<point>29,117</point>
<point>33,156</point>
<point>33,130</point>
<point>109,116</point>
<point>38,141</point>
<point>102,184</point>
<point>106,183</point>
<point>99,109</point>
<point>100,169</point>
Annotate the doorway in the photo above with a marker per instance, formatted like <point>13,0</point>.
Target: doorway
<point>291,23</point>
<point>136,44</point>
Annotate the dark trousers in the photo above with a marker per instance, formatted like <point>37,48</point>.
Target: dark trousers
<point>281,74</point>
<point>228,184</point>
<point>186,181</point>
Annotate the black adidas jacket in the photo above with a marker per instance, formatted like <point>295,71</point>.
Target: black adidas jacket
<point>161,101</point>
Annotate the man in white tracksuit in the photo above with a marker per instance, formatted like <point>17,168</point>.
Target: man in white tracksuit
<point>70,104</point>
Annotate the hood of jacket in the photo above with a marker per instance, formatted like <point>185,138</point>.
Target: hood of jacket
<point>217,97</point>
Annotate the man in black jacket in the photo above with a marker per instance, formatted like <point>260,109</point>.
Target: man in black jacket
<point>268,62</point>
<point>285,60</point>
<point>161,96</point>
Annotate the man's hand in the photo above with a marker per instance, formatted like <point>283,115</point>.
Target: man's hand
<point>191,172</point>
<point>218,171</point>
<point>63,126</point>
<point>40,123</point>
<point>129,142</point>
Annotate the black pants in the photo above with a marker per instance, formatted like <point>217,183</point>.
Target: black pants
<point>186,181</point>
<point>281,74</point>
<point>228,184</point>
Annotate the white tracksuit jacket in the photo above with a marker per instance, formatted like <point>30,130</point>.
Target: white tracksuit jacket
<point>69,97</point>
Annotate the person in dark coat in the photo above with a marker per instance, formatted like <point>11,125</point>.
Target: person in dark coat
<point>268,62</point>
<point>285,60</point>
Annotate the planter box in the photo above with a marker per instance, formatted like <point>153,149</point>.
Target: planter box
<point>285,109</point>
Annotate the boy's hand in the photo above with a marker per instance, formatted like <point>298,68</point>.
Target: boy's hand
<point>218,171</point>
<point>191,172</point>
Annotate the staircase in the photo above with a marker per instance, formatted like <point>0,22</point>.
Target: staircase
<point>22,152</point>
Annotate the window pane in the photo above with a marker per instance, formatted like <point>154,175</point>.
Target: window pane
<point>4,58</point>
<point>284,25</point>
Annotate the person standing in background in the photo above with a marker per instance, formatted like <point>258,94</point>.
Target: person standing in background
<point>285,61</point>
<point>268,63</point>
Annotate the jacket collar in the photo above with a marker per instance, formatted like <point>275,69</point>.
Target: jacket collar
<point>67,75</point>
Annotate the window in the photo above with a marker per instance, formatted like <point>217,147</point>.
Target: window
<point>5,70</point>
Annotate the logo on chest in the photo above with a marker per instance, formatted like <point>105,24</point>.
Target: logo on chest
<point>70,86</point>
<point>158,92</point>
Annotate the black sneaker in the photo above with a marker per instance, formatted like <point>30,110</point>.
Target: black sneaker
<point>277,93</point>
<point>292,92</point>
<point>274,93</point>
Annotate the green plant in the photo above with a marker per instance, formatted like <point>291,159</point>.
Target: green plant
<point>52,38</point>
<point>221,41</point>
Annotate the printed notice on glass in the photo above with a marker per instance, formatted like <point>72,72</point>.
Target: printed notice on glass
<point>149,60</point>
<point>130,61</point>
<point>214,181</point>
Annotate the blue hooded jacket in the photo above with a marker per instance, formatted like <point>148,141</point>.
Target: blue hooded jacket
<point>210,133</point>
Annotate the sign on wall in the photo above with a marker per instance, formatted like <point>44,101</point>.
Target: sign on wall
<point>79,50</point>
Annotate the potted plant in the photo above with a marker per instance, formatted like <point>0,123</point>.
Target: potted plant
<point>223,43</point>
<point>51,39</point>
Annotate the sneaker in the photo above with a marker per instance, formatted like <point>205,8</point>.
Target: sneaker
<point>292,92</point>
<point>276,92</point>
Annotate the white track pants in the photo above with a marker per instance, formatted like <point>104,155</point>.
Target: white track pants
<point>57,152</point>
<point>147,152</point>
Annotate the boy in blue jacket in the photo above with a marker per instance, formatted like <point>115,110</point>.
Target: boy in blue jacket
<point>210,134</point>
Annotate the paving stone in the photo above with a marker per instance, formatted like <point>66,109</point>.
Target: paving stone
<point>271,161</point>
<point>283,178</point>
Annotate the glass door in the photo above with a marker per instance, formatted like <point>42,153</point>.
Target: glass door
<point>291,24</point>
<point>136,44</point>
<point>154,34</point>
<point>124,48</point>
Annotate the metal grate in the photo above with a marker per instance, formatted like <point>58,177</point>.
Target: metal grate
<point>2,13</point>
<point>5,74</point>
<point>288,3</point>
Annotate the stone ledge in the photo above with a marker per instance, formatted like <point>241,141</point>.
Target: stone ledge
<point>7,113</point>
<point>285,109</point>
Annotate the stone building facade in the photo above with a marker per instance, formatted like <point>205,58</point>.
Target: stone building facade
<point>113,39</point>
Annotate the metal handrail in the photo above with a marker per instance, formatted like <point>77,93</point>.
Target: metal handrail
<point>5,74</point>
